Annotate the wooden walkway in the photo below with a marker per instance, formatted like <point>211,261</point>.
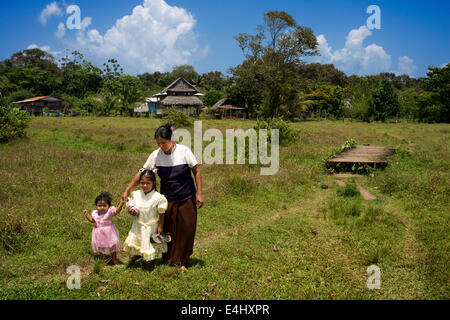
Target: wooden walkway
<point>363,154</point>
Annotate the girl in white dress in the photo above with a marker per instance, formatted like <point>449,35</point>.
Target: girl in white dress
<point>148,207</point>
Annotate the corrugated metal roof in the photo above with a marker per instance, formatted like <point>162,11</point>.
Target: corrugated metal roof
<point>45,98</point>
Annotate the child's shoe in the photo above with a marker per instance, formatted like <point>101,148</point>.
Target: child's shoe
<point>131,203</point>
<point>165,237</point>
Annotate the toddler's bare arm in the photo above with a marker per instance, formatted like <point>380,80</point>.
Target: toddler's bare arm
<point>88,216</point>
<point>119,207</point>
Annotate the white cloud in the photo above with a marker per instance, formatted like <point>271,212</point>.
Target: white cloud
<point>406,66</point>
<point>50,10</point>
<point>155,36</point>
<point>375,60</point>
<point>61,30</point>
<point>354,58</point>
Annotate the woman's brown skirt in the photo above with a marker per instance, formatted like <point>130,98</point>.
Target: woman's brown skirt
<point>180,220</point>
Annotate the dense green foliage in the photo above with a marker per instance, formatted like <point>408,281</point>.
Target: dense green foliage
<point>272,81</point>
<point>12,122</point>
<point>178,119</point>
<point>287,134</point>
<point>211,97</point>
<point>384,102</point>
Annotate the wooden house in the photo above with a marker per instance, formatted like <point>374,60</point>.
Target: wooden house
<point>180,94</point>
<point>35,106</point>
<point>224,109</point>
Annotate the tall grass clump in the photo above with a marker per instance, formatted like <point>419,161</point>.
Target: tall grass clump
<point>238,186</point>
<point>340,209</point>
<point>15,234</point>
<point>349,190</point>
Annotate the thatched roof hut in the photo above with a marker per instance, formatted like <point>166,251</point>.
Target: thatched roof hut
<point>179,93</point>
<point>224,109</point>
<point>181,101</point>
<point>180,85</point>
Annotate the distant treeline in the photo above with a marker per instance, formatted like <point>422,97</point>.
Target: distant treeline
<point>313,90</point>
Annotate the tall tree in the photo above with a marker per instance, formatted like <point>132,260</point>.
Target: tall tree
<point>79,75</point>
<point>35,58</point>
<point>245,89</point>
<point>211,97</point>
<point>129,94</point>
<point>274,52</point>
<point>318,74</point>
<point>384,102</point>
<point>438,82</point>
<point>214,80</point>
<point>187,72</point>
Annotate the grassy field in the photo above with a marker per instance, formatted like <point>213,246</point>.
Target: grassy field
<point>286,236</point>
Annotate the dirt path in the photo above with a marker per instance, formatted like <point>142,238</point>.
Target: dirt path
<point>365,194</point>
<point>324,249</point>
<point>401,279</point>
<point>268,218</point>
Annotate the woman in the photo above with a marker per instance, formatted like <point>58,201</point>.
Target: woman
<point>174,163</point>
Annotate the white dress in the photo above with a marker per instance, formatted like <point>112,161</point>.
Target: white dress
<point>149,205</point>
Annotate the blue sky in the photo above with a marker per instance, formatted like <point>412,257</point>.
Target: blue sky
<point>152,35</point>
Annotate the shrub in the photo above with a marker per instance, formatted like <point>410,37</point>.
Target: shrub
<point>349,190</point>
<point>12,123</point>
<point>286,133</point>
<point>178,118</point>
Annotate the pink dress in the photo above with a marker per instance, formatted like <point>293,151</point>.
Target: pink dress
<point>105,237</point>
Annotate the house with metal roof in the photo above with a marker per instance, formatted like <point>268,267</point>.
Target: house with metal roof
<point>180,94</point>
<point>146,108</point>
<point>35,106</point>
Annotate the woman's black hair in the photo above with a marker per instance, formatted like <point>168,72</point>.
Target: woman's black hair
<point>104,196</point>
<point>164,132</point>
<point>148,174</point>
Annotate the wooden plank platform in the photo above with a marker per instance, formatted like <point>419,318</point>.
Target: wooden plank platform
<point>364,154</point>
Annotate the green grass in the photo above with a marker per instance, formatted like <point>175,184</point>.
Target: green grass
<point>294,235</point>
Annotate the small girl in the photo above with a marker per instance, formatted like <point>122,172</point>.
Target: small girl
<point>105,237</point>
<point>147,206</point>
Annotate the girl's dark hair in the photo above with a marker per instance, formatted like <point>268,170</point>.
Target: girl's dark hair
<point>164,132</point>
<point>104,196</point>
<point>148,174</point>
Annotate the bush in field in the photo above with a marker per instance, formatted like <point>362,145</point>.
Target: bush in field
<point>286,133</point>
<point>349,190</point>
<point>12,123</point>
<point>178,119</point>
